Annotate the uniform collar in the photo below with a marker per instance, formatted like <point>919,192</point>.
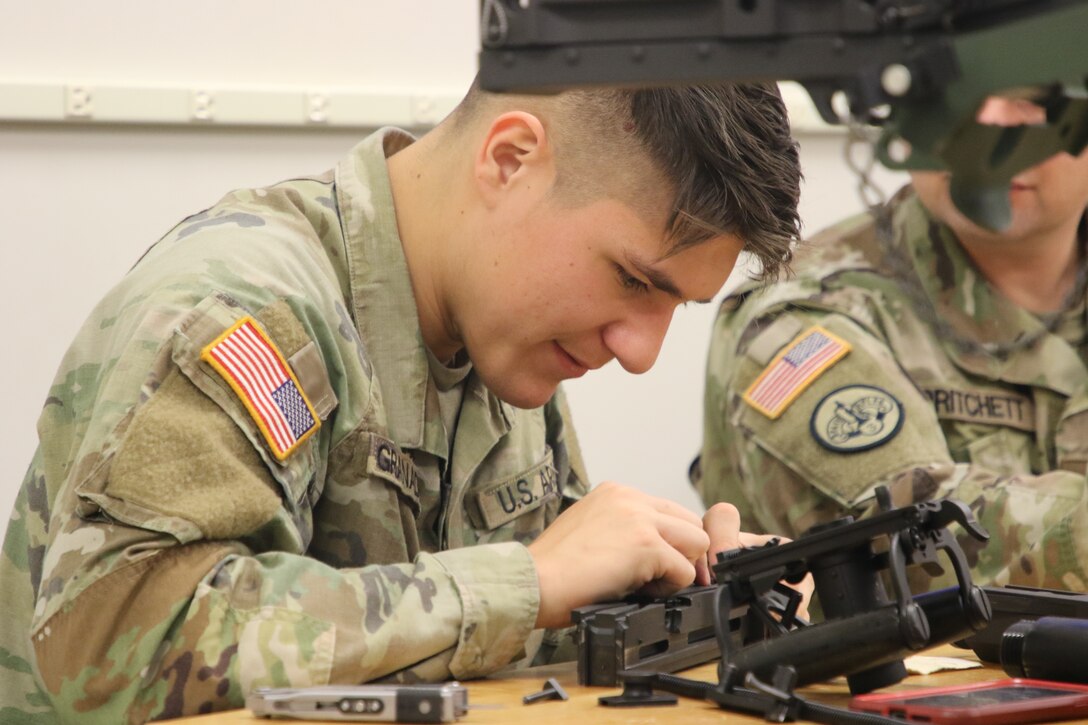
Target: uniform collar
<point>976,311</point>
<point>381,290</point>
<point>382,302</point>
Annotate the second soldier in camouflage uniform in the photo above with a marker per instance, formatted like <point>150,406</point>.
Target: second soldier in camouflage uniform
<point>892,359</point>
<point>272,457</point>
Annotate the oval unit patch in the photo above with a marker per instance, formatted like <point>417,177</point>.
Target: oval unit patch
<point>856,418</point>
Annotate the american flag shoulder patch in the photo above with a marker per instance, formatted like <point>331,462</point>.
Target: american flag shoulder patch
<point>794,369</point>
<point>257,372</point>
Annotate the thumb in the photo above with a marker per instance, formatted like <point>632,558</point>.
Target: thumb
<point>722,524</point>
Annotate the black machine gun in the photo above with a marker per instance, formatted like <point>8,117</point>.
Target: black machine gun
<point>918,68</point>
<point>865,633</point>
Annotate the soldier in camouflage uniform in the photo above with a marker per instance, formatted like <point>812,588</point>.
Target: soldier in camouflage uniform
<point>916,350</point>
<point>315,436</point>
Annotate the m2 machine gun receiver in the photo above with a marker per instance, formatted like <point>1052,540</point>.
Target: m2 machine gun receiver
<point>919,68</point>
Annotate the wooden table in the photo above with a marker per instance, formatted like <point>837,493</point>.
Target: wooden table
<point>499,700</point>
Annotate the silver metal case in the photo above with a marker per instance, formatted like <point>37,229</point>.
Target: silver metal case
<point>363,703</point>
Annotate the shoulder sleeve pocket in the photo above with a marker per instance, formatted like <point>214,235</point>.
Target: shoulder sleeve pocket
<point>196,460</point>
<point>842,427</point>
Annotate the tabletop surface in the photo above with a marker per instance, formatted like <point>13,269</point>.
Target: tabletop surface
<point>499,700</point>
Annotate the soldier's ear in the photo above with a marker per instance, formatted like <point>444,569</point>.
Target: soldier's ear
<point>515,157</point>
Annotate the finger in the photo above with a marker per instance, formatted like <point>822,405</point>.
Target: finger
<point>640,498</point>
<point>722,524</point>
<point>806,587</point>
<point>688,539</point>
<point>671,508</point>
<point>674,573</point>
<point>702,571</point>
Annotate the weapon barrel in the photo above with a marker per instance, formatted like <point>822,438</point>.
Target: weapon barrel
<point>868,647</point>
<point>829,649</point>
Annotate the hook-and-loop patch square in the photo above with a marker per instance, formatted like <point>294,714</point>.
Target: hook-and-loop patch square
<point>255,369</point>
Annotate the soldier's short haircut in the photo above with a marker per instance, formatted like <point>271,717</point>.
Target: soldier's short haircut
<point>724,151</point>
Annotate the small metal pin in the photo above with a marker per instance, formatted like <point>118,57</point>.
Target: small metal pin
<point>552,691</point>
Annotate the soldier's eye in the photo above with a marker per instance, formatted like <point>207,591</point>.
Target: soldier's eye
<point>629,282</point>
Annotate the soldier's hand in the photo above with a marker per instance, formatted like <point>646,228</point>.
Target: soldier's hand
<point>615,541</point>
<point>722,524</point>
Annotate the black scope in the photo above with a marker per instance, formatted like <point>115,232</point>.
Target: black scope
<point>1048,648</point>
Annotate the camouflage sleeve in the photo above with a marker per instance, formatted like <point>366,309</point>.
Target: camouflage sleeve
<point>1038,525</point>
<point>175,574</point>
<point>180,630</point>
<point>858,423</point>
<point>162,597</point>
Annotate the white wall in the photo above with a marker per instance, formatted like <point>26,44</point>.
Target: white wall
<point>314,44</point>
<point>80,202</point>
